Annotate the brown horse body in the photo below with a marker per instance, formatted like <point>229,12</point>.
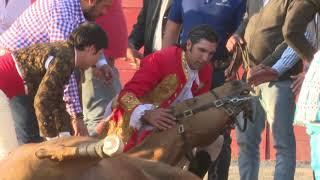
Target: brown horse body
<point>23,164</point>
<point>200,129</point>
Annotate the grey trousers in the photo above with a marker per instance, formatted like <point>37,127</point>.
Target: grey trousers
<point>95,97</point>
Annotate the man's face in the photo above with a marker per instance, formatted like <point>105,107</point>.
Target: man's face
<point>89,58</point>
<point>200,53</point>
<point>96,9</point>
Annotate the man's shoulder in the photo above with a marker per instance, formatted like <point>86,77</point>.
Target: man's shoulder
<point>165,59</point>
<point>171,49</point>
<point>56,48</point>
<point>169,54</point>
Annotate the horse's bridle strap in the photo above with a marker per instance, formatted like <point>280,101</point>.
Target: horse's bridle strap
<point>187,146</point>
<point>220,102</point>
<point>224,103</point>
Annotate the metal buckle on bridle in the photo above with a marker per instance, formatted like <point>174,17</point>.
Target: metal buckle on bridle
<point>229,111</point>
<point>234,100</point>
<point>180,129</point>
<point>188,113</point>
<point>218,103</point>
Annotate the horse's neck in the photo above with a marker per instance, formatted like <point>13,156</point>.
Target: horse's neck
<point>168,146</point>
<point>203,128</point>
<point>165,146</point>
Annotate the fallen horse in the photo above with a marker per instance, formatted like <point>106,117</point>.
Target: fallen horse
<point>59,159</point>
<point>200,121</point>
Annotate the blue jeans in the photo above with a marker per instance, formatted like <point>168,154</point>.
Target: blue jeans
<point>275,103</point>
<point>314,132</point>
<point>25,120</point>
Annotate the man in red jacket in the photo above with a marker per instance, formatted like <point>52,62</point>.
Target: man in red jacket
<point>165,78</point>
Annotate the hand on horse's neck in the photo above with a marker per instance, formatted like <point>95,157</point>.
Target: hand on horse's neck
<point>168,146</point>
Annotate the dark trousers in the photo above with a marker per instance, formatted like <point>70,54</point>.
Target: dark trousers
<point>219,169</point>
<point>25,120</point>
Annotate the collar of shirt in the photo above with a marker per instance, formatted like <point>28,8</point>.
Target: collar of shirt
<point>193,75</point>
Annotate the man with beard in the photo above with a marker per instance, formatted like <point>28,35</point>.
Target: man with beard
<point>224,16</point>
<point>165,78</point>
<point>50,21</point>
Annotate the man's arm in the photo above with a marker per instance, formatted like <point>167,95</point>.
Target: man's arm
<point>263,73</point>
<point>237,37</point>
<point>239,17</point>
<point>271,59</point>
<point>142,83</point>
<point>289,58</point>
<point>173,26</point>
<point>243,23</point>
<point>299,15</point>
<point>136,37</point>
<point>49,107</point>
<point>171,34</point>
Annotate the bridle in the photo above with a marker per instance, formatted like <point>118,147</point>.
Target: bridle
<point>230,104</point>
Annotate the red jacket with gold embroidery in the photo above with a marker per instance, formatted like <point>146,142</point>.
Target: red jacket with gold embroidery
<point>160,79</point>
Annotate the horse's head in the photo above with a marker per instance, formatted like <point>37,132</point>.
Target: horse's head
<point>204,117</point>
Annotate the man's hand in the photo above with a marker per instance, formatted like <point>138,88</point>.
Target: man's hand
<point>134,56</point>
<point>79,128</point>
<point>104,73</point>
<point>261,74</point>
<point>102,127</point>
<point>107,72</point>
<point>160,118</point>
<point>233,41</point>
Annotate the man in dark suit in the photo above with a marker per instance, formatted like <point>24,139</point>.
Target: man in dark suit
<point>148,30</point>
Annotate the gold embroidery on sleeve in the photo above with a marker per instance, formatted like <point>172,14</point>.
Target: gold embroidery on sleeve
<point>129,101</point>
<point>164,90</point>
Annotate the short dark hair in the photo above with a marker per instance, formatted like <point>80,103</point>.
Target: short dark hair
<point>88,34</point>
<point>203,31</point>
